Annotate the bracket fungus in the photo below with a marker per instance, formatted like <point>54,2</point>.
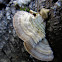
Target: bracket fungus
<point>31,29</point>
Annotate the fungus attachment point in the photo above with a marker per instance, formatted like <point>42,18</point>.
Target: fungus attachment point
<point>44,13</point>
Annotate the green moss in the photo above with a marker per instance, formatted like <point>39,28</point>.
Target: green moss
<point>25,9</point>
<point>28,9</point>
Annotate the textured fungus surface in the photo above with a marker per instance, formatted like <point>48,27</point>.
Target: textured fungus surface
<point>31,29</point>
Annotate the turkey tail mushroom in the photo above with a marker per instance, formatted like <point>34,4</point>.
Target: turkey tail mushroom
<point>31,29</point>
<point>41,51</point>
